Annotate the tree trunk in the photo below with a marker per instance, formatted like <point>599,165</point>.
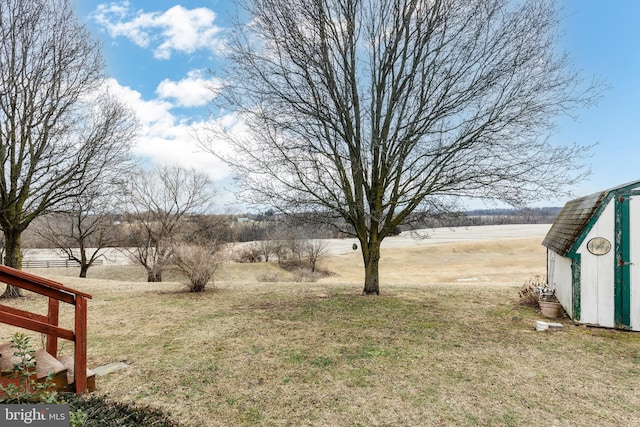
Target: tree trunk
<point>371,256</point>
<point>13,258</point>
<point>83,270</point>
<point>154,274</point>
<point>84,265</point>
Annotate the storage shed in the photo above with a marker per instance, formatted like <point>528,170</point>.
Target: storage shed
<point>593,258</point>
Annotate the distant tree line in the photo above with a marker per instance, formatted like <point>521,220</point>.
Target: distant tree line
<point>545,215</point>
<point>267,225</point>
<point>115,230</point>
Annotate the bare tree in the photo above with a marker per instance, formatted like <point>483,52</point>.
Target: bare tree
<point>161,201</point>
<point>370,110</point>
<point>314,251</point>
<point>281,249</point>
<point>295,245</point>
<point>85,230</point>
<point>59,130</point>
<point>265,247</point>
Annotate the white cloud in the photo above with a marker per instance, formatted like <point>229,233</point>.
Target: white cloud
<point>193,91</point>
<point>163,139</point>
<point>176,29</point>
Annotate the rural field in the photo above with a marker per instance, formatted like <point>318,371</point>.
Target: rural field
<point>445,344</point>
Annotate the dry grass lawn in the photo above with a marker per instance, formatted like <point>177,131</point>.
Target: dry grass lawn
<point>445,344</point>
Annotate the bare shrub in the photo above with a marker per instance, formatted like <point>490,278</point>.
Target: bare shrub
<point>305,275</point>
<point>248,253</point>
<point>199,262</point>
<point>269,276</point>
<point>531,289</point>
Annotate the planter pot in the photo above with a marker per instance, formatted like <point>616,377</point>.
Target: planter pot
<point>550,309</point>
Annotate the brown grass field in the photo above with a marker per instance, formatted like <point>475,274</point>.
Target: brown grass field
<point>446,344</point>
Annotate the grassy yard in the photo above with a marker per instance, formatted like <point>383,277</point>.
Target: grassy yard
<point>448,346</point>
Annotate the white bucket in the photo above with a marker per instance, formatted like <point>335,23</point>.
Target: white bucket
<point>542,326</point>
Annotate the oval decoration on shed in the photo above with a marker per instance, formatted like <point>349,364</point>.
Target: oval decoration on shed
<point>599,246</point>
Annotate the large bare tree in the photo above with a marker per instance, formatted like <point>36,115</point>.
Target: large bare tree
<point>59,129</point>
<point>371,110</point>
<point>160,203</point>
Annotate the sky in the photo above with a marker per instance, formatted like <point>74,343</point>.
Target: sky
<point>158,53</point>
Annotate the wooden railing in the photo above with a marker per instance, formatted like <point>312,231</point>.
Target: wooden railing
<point>48,325</point>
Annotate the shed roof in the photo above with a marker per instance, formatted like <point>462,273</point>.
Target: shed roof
<point>574,218</point>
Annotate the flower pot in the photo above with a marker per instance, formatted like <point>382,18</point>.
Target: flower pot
<point>550,308</point>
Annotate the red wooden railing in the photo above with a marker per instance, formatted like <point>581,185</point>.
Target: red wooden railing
<point>48,325</point>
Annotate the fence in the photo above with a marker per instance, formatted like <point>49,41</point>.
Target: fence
<point>51,263</point>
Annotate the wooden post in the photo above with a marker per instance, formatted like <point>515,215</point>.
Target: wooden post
<point>52,340</point>
<point>80,364</point>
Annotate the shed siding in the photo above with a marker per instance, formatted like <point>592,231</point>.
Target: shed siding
<point>634,233</point>
<point>597,273</point>
<point>559,277</point>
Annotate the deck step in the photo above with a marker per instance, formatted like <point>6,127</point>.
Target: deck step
<point>61,369</point>
<point>46,364</point>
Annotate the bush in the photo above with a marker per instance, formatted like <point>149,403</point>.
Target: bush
<point>269,276</point>
<point>198,262</point>
<point>248,254</point>
<point>531,289</point>
<point>306,275</point>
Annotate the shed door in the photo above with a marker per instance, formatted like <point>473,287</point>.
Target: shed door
<point>627,247</point>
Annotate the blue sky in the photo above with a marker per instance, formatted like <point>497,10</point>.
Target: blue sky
<point>603,39</point>
<point>158,51</point>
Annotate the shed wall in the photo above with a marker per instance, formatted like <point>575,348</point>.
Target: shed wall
<point>559,278</point>
<point>597,274</point>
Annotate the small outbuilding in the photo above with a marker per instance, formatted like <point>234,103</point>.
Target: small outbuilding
<point>593,258</point>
